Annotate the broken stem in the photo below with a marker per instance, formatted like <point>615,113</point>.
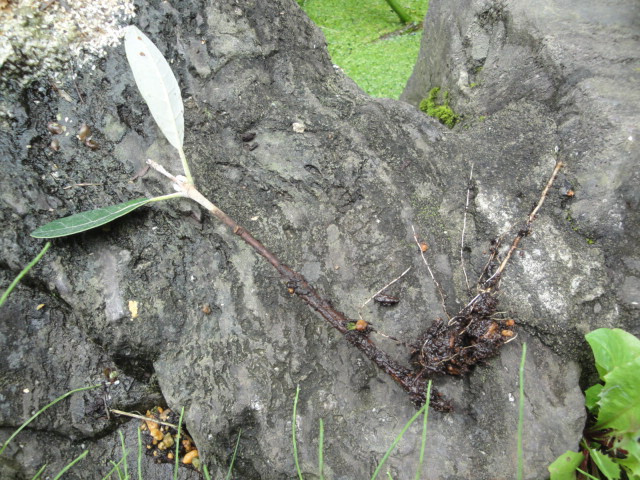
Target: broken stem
<point>464,227</point>
<point>438,286</point>
<point>526,229</point>
<point>142,417</point>
<point>386,286</point>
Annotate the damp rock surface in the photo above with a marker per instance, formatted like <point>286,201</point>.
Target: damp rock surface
<point>217,332</point>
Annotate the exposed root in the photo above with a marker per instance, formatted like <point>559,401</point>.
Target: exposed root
<point>477,332</point>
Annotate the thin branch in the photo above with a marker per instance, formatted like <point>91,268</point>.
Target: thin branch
<point>464,227</point>
<point>524,231</point>
<point>142,417</point>
<point>438,286</point>
<point>386,286</point>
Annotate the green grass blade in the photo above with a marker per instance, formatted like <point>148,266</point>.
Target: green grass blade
<point>205,472</point>
<point>321,451</point>
<point>520,473</point>
<point>293,433</point>
<point>124,455</point>
<point>35,415</point>
<point>39,472</point>
<point>24,271</point>
<point>233,458</point>
<point>81,222</point>
<point>175,468</point>
<point>116,467</point>
<point>71,464</point>
<point>398,438</point>
<point>423,444</point>
<point>139,455</point>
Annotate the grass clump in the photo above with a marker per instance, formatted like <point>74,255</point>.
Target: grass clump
<point>442,111</point>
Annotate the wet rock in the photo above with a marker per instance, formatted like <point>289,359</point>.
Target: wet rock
<point>337,203</point>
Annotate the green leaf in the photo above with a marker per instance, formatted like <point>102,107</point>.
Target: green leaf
<point>81,222</point>
<point>620,399</point>
<point>591,397</point>
<point>605,464</point>
<point>157,84</point>
<point>564,467</point>
<point>630,443</point>
<point>612,348</point>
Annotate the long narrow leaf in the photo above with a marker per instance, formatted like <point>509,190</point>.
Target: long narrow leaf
<point>520,468</point>
<point>71,464</point>
<point>81,222</point>
<point>157,84</point>
<point>39,472</point>
<point>293,433</point>
<point>24,271</point>
<point>399,437</point>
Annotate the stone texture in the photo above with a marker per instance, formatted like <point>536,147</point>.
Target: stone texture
<point>335,201</point>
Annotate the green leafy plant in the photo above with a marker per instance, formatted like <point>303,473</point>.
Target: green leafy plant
<point>442,111</point>
<point>611,445</point>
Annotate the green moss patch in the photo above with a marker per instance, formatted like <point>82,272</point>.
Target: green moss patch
<point>441,111</point>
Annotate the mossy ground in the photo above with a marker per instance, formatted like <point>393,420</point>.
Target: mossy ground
<point>353,29</point>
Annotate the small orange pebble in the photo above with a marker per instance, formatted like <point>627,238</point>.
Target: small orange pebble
<point>291,290</point>
<point>570,193</point>
<point>510,323</point>
<point>424,247</point>
<point>170,455</point>
<point>491,330</point>
<point>187,445</point>
<point>507,333</point>
<point>188,458</point>
<point>361,325</point>
<point>206,309</point>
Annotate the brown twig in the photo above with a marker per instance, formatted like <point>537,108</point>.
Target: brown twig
<point>433,278</point>
<point>142,417</point>
<point>464,227</point>
<point>526,229</point>
<point>385,287</point>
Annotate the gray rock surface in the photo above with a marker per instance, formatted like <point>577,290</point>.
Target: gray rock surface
<point>336,202</point>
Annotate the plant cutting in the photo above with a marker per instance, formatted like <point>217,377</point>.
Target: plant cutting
<point>161,91</point>
<point>472,335</point>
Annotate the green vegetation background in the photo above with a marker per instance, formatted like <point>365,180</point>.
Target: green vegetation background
<point>353,29</point>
